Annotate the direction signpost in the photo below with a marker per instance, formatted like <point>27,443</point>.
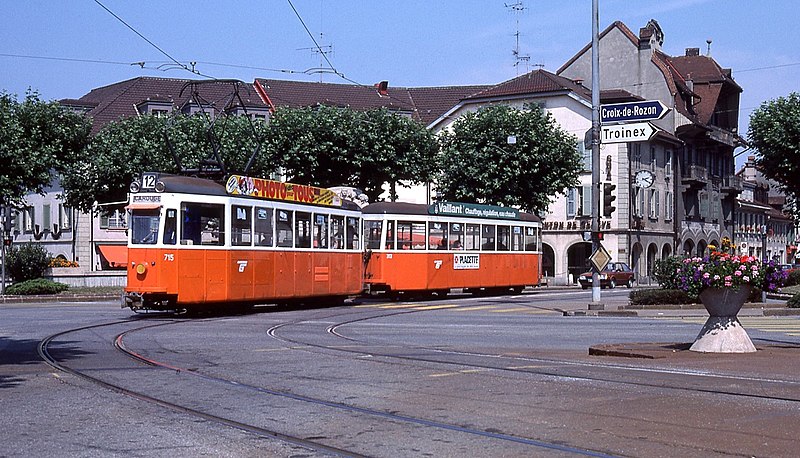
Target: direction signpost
<point>624,133</point>
<point>647,110</point>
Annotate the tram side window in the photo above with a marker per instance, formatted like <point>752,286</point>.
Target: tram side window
<point>351,234</point>
<point>456,236</point>
<point>285,219</point>
<point>303,229</point>
<point>241,231</point>
<point>437,236</point>
<point>337,229</point>
<point>531,242</point>
<point>517,239</point>
<point>487,237</point>
<point>390,235</point>
<point>144,227</point>
<point>472,237</point>
<point>171,227</point>
<point>263,226</point>
<point>410,235</point>
<point>203,224</point>
<point>503,238</point>
<point>320,231</point>
<point>372,234</point>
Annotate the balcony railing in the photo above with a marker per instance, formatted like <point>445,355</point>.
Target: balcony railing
<point>694,175</point>
<point>732,184</point>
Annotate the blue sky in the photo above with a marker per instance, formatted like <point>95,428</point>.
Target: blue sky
<point>47,45</point>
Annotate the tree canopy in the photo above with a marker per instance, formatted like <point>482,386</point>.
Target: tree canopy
<point>775,132</point>
<point>329,146</point>
<point>37,139</point>
<point>480,165</point>
<point>124,149</point>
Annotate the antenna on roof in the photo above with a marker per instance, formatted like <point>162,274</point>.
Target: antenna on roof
<point>708,50</point>
<point>518,8</point>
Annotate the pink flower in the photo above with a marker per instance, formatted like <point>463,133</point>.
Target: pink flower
<point>746,279</point>
<point>706,275</point>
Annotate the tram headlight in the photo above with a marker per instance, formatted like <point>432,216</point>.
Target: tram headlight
<point>135,187</point>
<point>141,268</point>
<point>160,186</point>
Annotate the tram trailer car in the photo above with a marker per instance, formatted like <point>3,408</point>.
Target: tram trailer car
<point>195,243</point>
<point>421,249</point>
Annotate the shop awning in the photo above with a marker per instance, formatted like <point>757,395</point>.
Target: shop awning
<point>116,255</point>
<point>143,206</point>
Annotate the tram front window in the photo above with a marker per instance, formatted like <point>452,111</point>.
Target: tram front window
<point>144,227</point>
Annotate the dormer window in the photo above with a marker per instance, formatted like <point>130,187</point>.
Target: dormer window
<point>192,108</point>
<point>157,107</point>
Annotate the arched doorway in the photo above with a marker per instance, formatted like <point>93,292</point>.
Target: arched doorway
<point>688,248</point>
<point>548,261</point>
<point>578,260</point>
<point>652,253</point>
<point>636,260</point>
<point>666,251</point>
<point>701,248</point>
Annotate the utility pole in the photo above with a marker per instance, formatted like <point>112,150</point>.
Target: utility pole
<point>595,149</point>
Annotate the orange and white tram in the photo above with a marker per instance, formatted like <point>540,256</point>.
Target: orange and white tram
<point>415,248</point>
<point>195,242</point>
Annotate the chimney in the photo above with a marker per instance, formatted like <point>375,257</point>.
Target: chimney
<point>690,52</point>
<point>383,88</point>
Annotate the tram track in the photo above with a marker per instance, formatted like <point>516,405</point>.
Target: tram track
<point>118,342</point>
<point>699,381</point>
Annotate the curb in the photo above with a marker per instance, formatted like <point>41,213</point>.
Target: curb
<point>7,299</point>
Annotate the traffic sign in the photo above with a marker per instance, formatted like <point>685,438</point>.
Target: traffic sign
<point>624,133</point>
<point>600,258</point>
<point>647,110</point>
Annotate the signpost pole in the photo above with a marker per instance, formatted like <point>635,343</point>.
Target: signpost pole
<point>595,146</point>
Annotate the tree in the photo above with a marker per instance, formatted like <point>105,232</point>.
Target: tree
<point>480,165</point>
<point>775,133</point>
<point>328,146</point>
<point>37,138</point>
<point>124,149</point>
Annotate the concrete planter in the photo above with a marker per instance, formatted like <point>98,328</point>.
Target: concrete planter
<point>722,332</point>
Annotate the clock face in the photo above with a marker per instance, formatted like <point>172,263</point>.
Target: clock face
<point>644,178</point>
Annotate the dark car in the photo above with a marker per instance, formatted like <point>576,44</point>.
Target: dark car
<point>615,273</point>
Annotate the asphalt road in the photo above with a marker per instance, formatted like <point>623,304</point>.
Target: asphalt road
<point>493,376</point>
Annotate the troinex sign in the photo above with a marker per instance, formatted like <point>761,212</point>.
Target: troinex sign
<point>624,133</point>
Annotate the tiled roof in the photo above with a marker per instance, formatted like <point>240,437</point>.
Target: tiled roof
<point>535,82</point>
<point>119,100</point>
<point>433,102</point>
<point>296,94</point>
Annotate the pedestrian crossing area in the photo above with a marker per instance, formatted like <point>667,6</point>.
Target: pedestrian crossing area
<point>789,326</point>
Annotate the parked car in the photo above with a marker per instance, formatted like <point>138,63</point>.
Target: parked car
<point>615,273</point>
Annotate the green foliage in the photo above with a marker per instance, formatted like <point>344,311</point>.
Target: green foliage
<point>36,139</point>
<point>666,272</point>
<point>37,286</point>
<point>124,149</point>
<point>660,297</point>
<point>479,165</point>
<point>27,262</point>
<point>793,278</point>
<point>794,301</point>
<point>775,132</point>
<point>329,146</point>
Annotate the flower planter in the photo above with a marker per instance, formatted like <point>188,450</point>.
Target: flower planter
<point>722,332</point>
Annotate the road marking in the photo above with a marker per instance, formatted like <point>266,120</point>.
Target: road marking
<point>477,307</point>
<point>511,310</point>
<point>465,371</point>
<point>435,307</point>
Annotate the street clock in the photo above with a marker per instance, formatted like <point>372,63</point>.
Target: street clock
<point>644,178</point>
